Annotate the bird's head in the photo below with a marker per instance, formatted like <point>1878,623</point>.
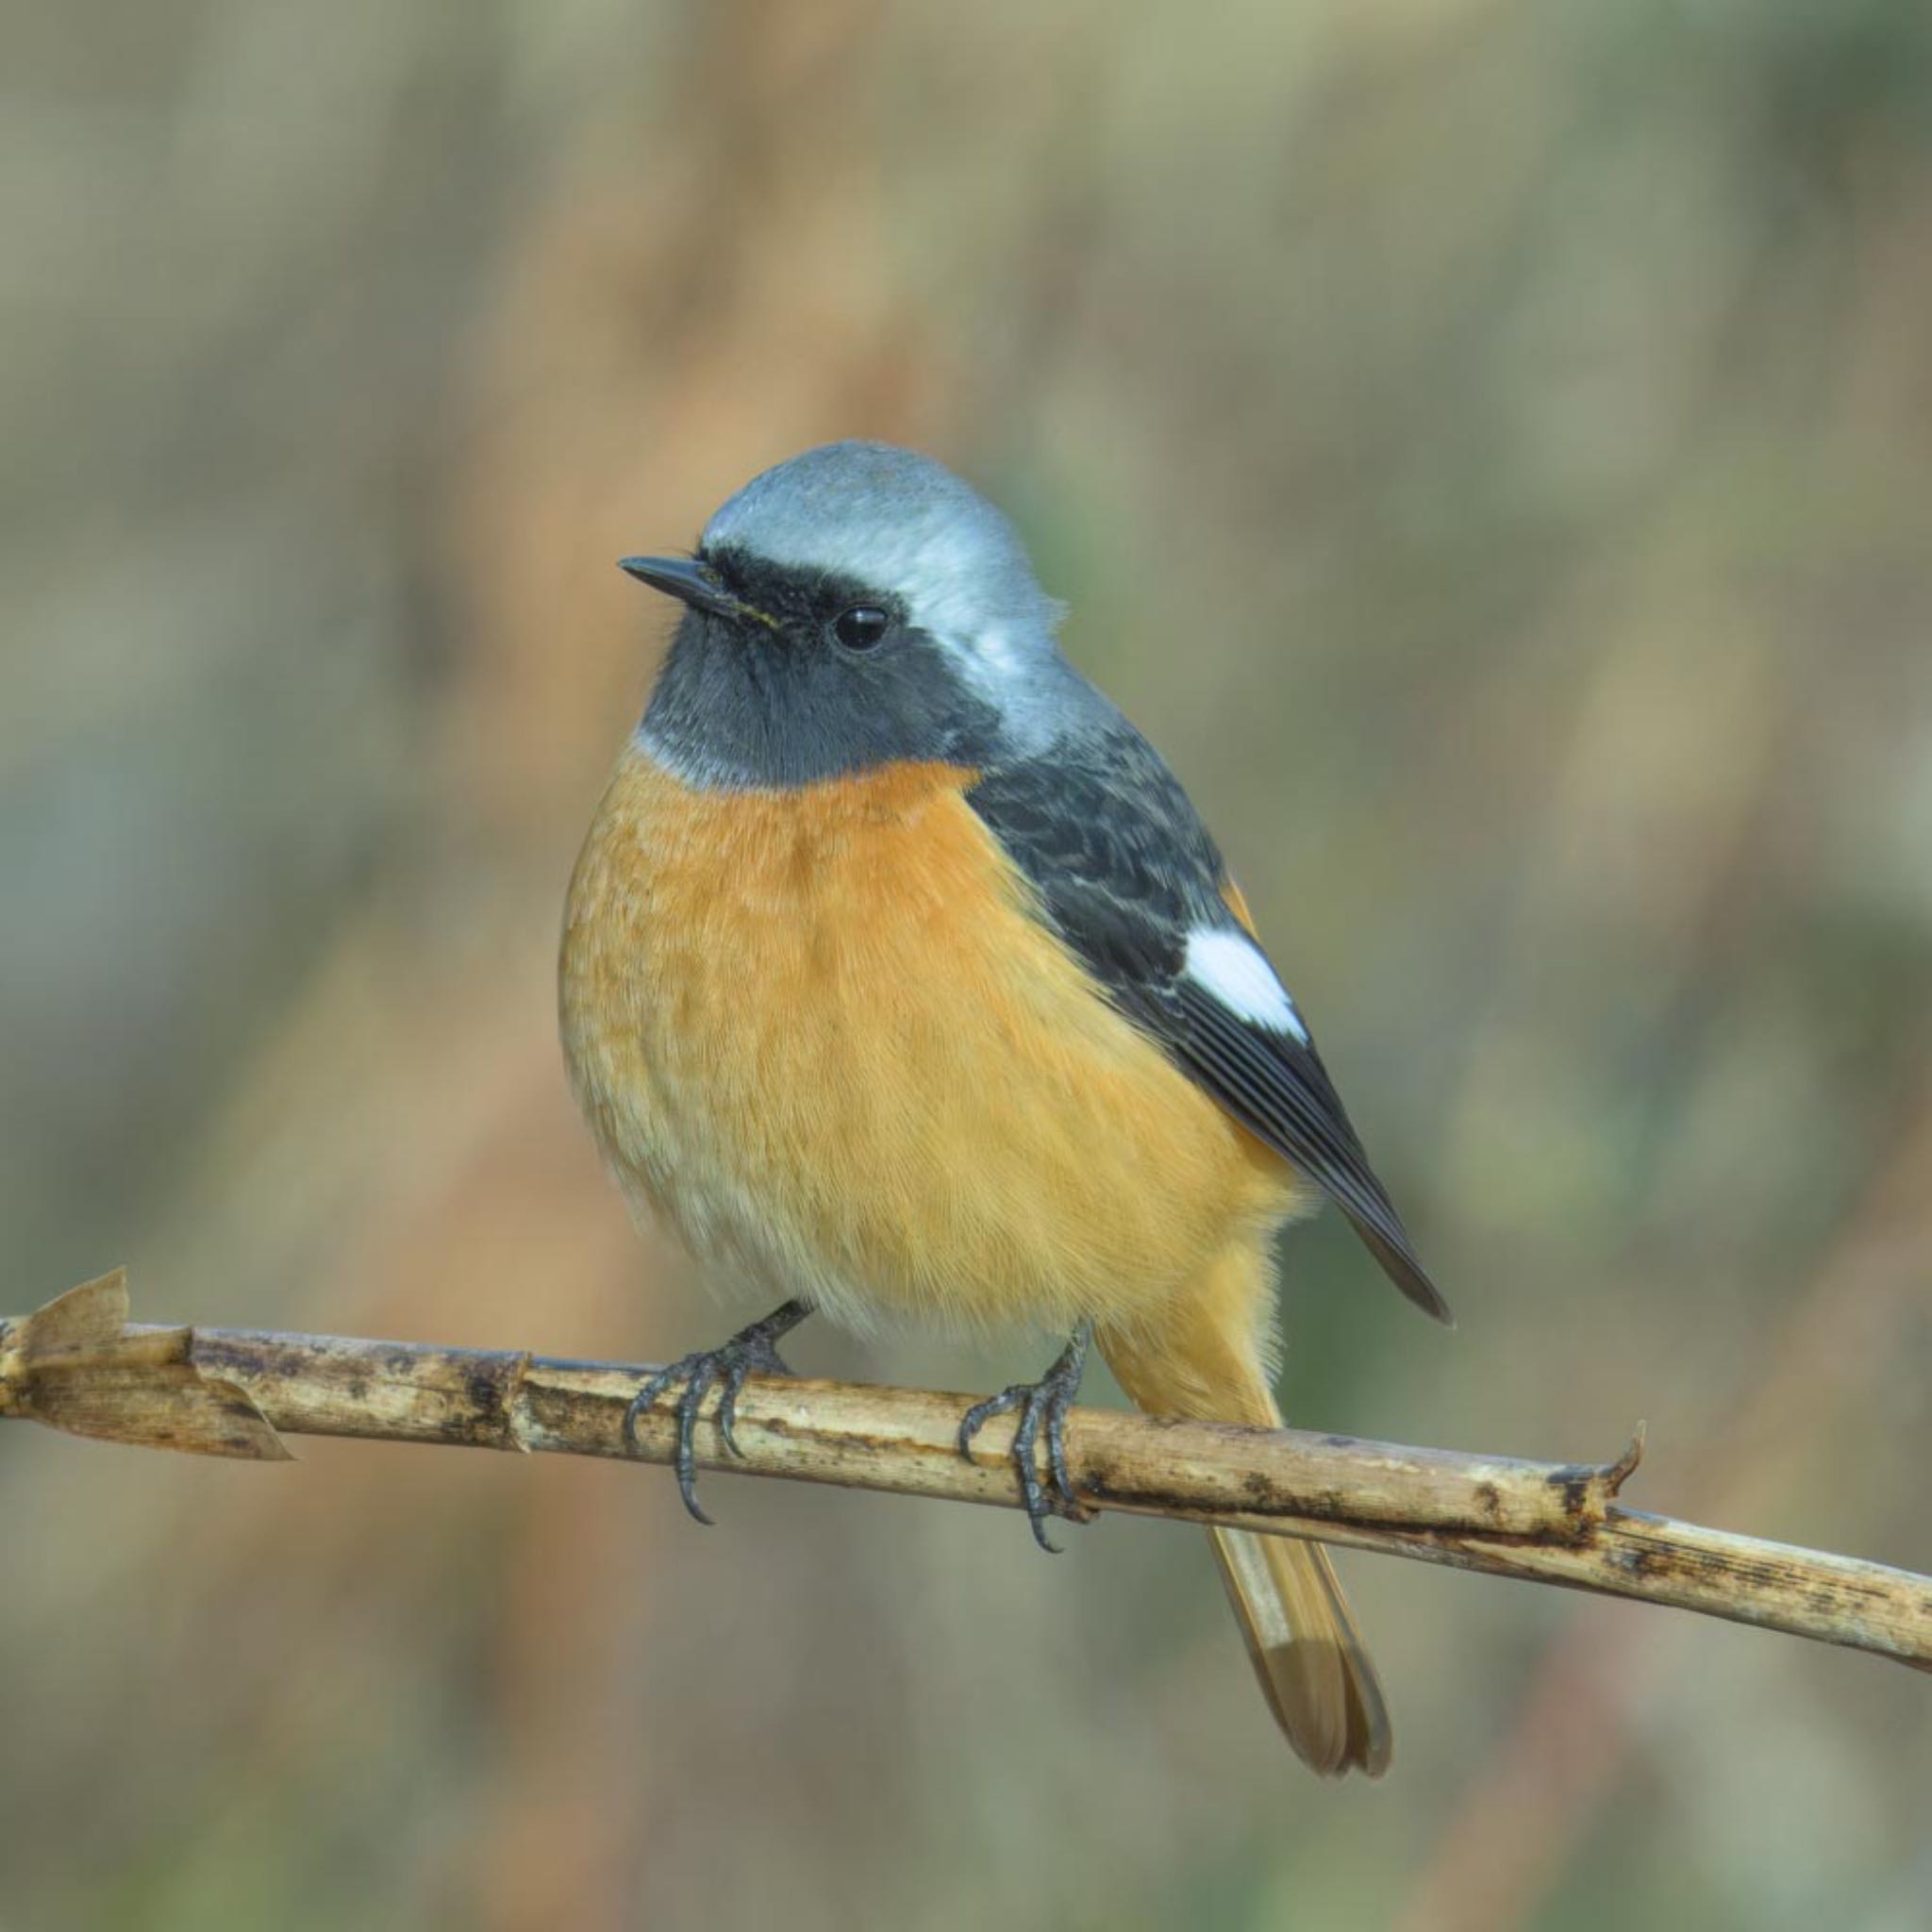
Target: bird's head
<point>857,605</point>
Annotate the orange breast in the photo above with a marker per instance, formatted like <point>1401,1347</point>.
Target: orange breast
<point>820,1032</point>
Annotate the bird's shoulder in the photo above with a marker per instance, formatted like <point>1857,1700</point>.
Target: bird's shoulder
<point>1111,843</point>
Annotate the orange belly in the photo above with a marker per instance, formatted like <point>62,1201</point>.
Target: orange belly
<point>819,1032</point>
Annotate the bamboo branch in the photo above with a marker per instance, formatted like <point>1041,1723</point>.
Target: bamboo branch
<point>78,1364</point>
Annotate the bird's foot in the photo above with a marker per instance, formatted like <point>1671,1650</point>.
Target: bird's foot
<point>752,1351</point>
<point>1041,1404</point>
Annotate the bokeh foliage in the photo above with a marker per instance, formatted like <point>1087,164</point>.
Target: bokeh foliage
<point>1488,446</point>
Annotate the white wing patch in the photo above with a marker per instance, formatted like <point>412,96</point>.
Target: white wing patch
<point>1237,973</point>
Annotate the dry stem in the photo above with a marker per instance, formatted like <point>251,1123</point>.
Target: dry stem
<point>77,1364</point>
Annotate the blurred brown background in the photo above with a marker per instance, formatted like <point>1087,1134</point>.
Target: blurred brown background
<point>1490,448</point>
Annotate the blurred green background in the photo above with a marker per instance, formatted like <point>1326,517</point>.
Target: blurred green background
<point>1488,446</point>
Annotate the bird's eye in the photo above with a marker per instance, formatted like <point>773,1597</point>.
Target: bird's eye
<point>863,626</point>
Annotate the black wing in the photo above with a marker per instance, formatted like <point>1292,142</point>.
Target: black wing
<point>1125,873</point>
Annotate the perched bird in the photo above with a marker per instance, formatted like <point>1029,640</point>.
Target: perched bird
<point>901,978</point>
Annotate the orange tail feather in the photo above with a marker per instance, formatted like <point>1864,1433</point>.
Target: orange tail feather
<point>1301,1633</point>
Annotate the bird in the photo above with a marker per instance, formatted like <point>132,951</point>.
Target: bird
<point>902,980</point>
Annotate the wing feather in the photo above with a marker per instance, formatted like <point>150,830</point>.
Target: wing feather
<point>1125,873</point>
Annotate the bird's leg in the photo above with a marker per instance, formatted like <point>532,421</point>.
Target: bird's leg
<point>1044,1402</point>
<point>751,1351</point>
